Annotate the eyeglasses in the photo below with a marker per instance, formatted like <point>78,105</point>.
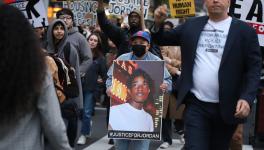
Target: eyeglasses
<point>65,17</point>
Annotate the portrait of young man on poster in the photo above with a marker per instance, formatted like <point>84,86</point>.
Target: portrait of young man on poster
<point>131,116</point>
<point>136,99</point>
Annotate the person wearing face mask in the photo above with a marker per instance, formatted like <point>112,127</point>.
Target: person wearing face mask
<point>140,44</point>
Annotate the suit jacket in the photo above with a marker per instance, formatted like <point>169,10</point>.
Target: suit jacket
<point>239,71</point>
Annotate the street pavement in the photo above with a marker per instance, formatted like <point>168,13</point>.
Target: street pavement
<point>99,140</point>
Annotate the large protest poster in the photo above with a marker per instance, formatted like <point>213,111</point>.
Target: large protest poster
<point>84,11</point>
<point>120,7</point>
<point>34,10</point>
<point>250,11</point>
<point>136,103</point>
<point>182,8</point>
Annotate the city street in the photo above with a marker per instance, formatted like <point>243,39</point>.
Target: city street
<point>99,140</point>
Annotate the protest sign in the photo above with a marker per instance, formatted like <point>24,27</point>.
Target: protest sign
<point>34,10</point>
<point>136,102</point>
<point>84,11</point>
<point>120,7</point>
<point>250,11</point>
<point>58,0</point>
<point>182,8</point>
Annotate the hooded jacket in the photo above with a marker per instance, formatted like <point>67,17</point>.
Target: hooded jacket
<point>82,47</point>
<point>74,58</point>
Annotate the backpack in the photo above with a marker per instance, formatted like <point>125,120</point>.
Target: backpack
<point>67,74</point>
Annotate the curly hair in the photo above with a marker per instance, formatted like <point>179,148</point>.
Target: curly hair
<point>148,104</point>
<point>141,73</point>
<point>22,65</point>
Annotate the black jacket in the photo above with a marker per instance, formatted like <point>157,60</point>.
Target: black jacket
<point>114,33</point>
<point>120,37</point>
<point>98,67</point>
<point>239,71</point>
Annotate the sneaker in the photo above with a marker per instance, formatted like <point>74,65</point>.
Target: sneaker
<point>81,140</point>
<point>164,145</point>
<point>182,140</point>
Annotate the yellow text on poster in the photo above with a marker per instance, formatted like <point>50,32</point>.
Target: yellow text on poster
<point>119,90</point>
<point>182,8</point>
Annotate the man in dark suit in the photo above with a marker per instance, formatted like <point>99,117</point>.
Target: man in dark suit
<point>221,64</point>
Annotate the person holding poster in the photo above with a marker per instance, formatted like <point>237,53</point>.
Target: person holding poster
<point>131,116</point>
<point>140,44</point>
<point>221,64</point>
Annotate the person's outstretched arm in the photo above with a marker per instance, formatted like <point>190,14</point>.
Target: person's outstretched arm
<point>115,33</point>
<point>160,37</point>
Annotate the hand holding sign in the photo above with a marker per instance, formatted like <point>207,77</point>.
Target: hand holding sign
<point>160,14</point>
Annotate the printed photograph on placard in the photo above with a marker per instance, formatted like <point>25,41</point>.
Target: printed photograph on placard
<point>136,103</point>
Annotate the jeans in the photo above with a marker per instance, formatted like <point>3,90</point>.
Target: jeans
<point>204,126</point>
<point>124,144</point>
<point>87,112</point>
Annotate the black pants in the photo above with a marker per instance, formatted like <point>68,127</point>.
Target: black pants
<point>107,104</point>
<point>204,127</point>
<point>72,130</point>
<point>166,128</point>
<point>69,110</point>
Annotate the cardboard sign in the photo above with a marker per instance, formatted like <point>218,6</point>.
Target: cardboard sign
<point>34,10</point>
<point>182,8</point>
<point>120,7</point>
<point>84,11</point>
<point>136,103</point>
<point>250,11</point>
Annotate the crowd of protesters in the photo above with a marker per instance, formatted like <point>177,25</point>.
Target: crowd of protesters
<point>213,88</point>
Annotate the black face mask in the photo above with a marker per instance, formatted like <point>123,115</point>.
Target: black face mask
<point>139,50</point>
